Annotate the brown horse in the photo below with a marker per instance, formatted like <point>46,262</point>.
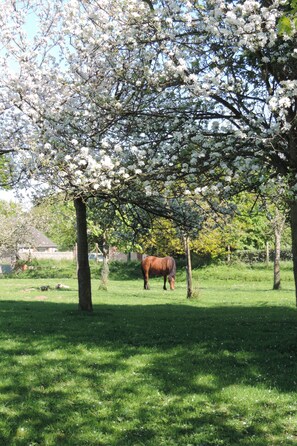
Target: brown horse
<point>159,266</point>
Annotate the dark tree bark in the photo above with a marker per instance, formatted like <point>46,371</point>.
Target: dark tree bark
<point>83,267</point>
<point>294,242</point>
<point>277,252</point>
<point>292,146</point>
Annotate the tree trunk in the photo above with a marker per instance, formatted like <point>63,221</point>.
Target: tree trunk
<point>292,143</point>
<point>75,253</point>
<point>277,252</point>
<point>83,267</point>
<point>267,253</point>
<point>105,266</point>
<point>228,254</point>
<point>97,252</point>
<point>278,225</point>
<point>189,267</point>
<point>294,242</point>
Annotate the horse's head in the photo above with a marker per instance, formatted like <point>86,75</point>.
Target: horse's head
<point>171,281</point>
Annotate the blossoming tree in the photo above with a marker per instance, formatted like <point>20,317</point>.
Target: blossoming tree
<point>77,86</point>
<point>236,68</point>
<point>119,97</point>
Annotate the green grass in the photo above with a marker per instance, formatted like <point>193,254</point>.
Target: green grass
<point>150,367</point>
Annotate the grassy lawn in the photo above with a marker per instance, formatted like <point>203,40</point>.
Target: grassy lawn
<point>150,367</point>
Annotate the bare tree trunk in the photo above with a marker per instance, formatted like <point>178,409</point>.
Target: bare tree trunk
<point>277,252</point>
<point>278,224</point>
<point>294,242</point>
<point>83,267</point>
<point>267,253</point>
<point>292,143</point>
<point>97,252</point>
<point>189,267</point>
<point>228,254</point>
<point>75,253</point>
<point>105,266</point>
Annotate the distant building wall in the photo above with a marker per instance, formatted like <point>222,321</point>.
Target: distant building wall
<point>114,254</point>
<point>71,255</point>
<point>39,255</point>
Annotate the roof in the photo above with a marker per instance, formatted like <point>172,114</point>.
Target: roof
<point>41,240</point>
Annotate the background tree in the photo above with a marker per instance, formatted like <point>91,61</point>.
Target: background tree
<point>277,214</point>
<point>16,230</point>
<point>162,239</point>
<point>55,217</point>
<point>288,22</point>
<point>236,105</point>
<point>101,226</point>
<point>278,223</point>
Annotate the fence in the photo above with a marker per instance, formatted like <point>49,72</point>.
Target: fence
<point>258,256</point>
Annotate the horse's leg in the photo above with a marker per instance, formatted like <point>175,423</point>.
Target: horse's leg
<point>165,278</point>
<point>146,281</point>
<point>145,278</point>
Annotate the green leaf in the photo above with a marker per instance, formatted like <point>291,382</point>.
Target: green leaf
<point>285,25</point>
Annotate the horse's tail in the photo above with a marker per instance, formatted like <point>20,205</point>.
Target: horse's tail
<point>172,271</point>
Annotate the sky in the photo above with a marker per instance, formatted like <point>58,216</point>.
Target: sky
<point>11,196</point>
<point>7,195</point>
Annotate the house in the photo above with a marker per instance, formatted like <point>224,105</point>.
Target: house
<point>38,243</point>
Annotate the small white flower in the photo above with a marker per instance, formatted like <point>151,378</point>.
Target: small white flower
<point>118,148</point>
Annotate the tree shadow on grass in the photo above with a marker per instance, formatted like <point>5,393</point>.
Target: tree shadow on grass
<point>130,375</point>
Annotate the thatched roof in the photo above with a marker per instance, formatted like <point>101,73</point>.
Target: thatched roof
<point>39,240</point>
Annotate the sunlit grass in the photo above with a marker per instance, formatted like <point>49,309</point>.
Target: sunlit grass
<point>150,367</point>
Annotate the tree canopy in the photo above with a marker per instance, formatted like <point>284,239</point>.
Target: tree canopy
<point>129,100</point>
